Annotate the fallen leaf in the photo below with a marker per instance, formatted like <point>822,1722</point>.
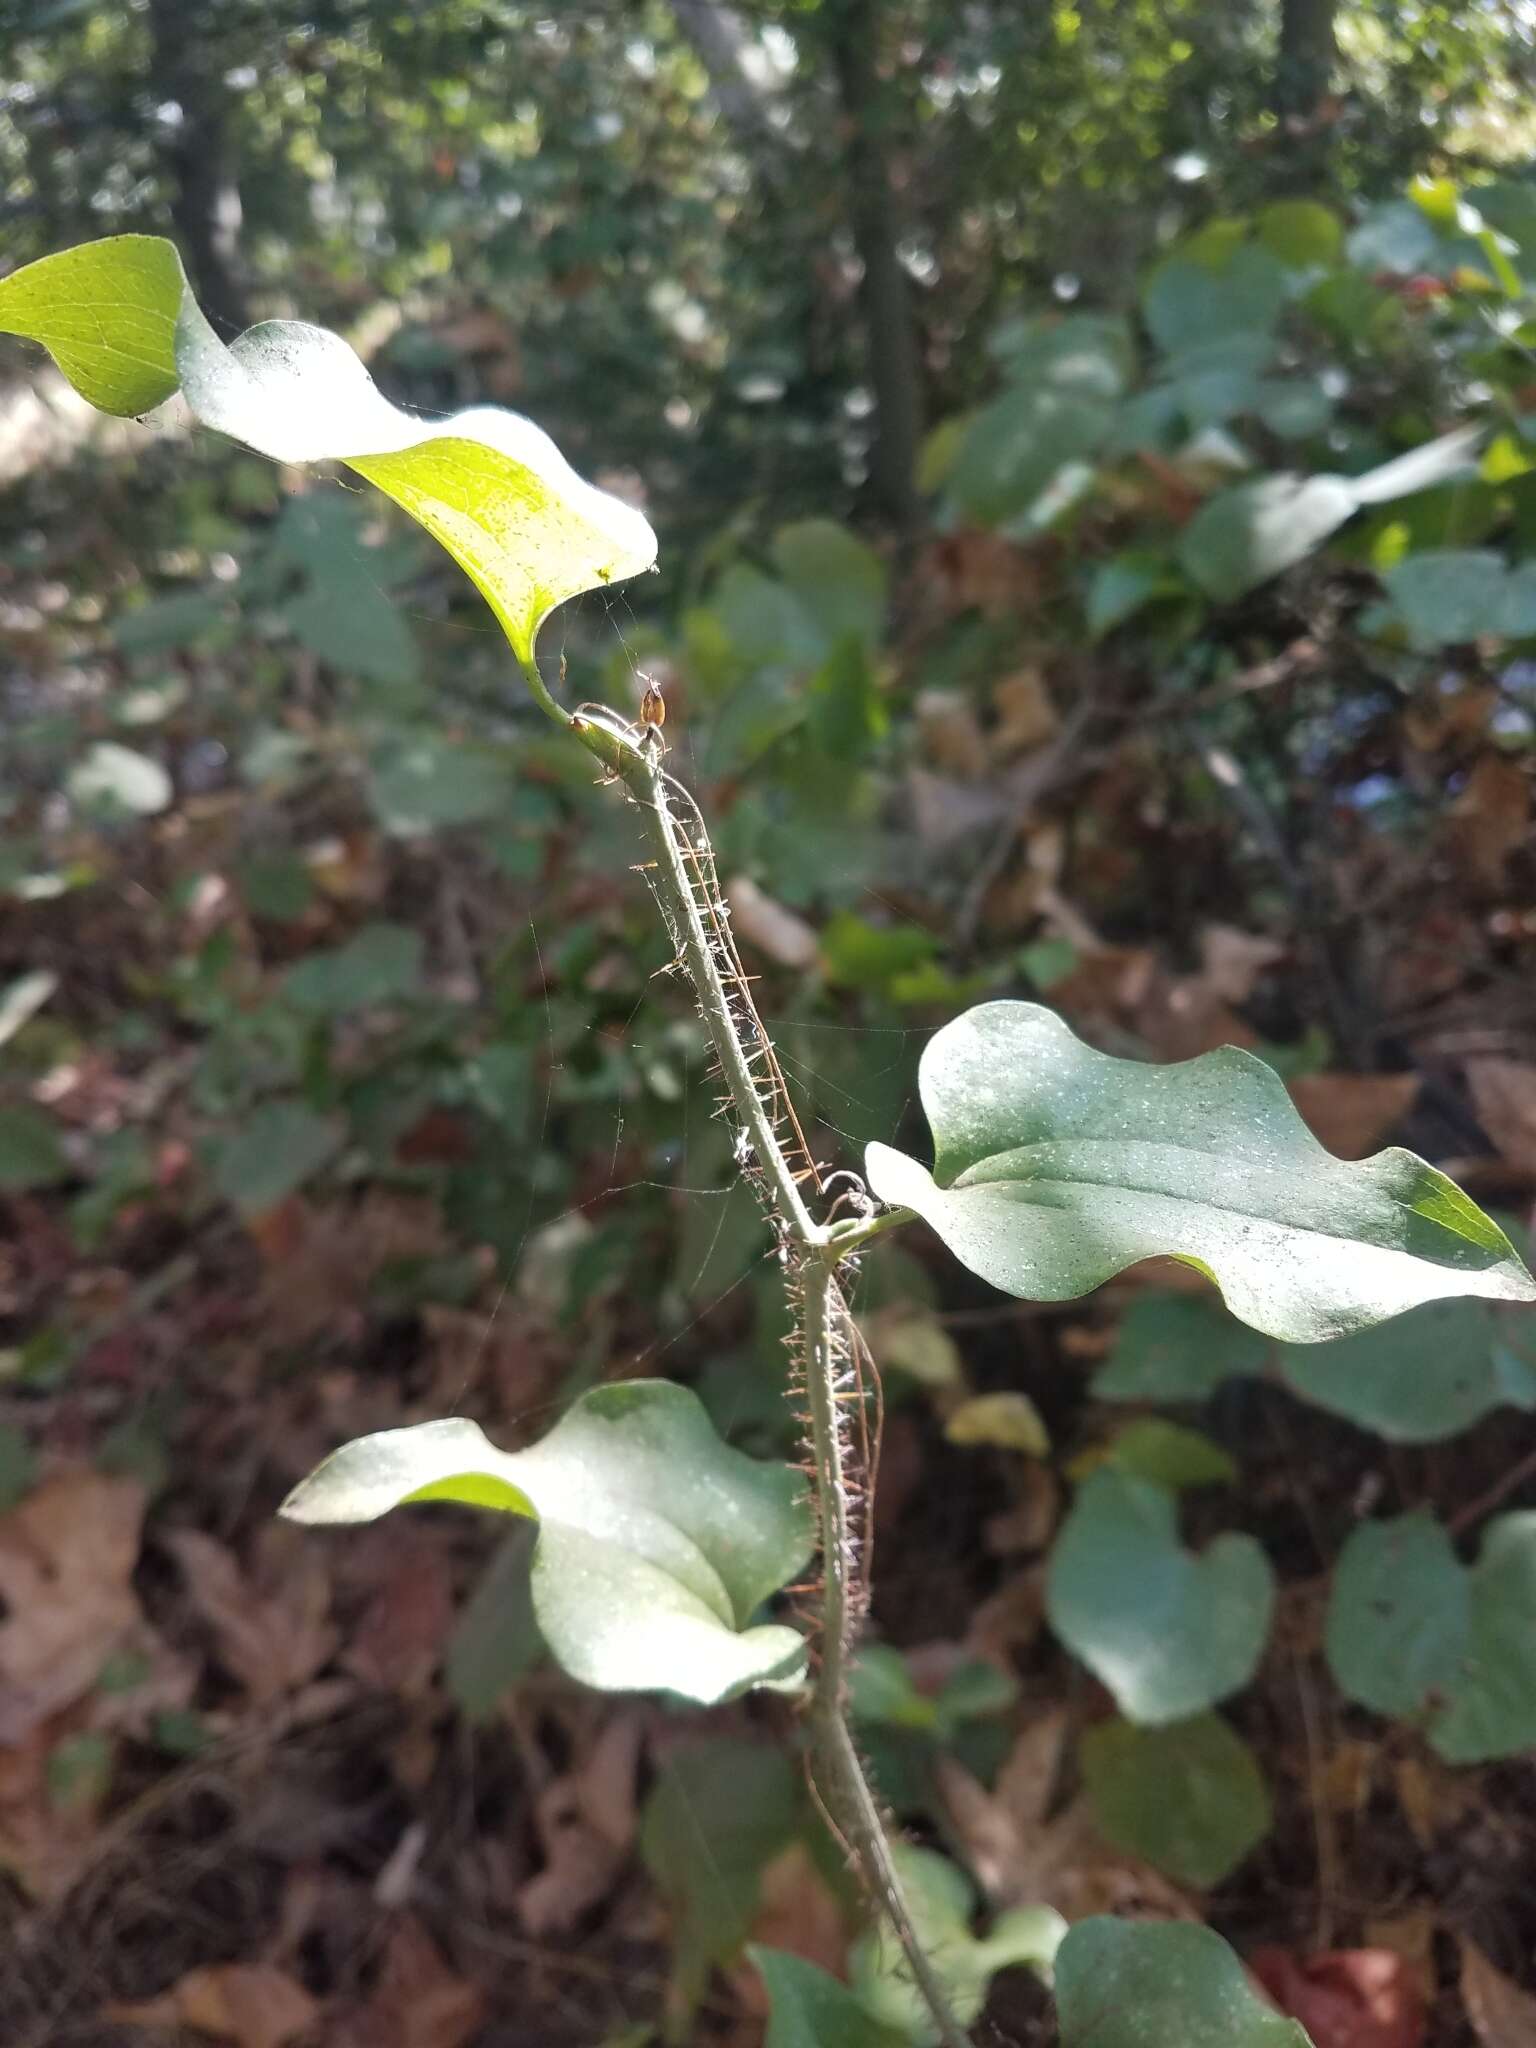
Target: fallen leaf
<point>766,925</point>
<point>1026,717</point>
<point>1502,2015</point>
<point>274,1640</point>
<point>251,2004</point>
<point>1020,1857</point>
<point>1231,961</point>
<point>797,1912</point>
<point>67,1555</point>
<point>399,1642</point>
<point>1504,1095</point>
<point>586,1822</point>
<point>1352,1113</point>
<point>1347,1998</point>
<point>1490,819</point>
<point>950,734</point>
<point>418,2001</point>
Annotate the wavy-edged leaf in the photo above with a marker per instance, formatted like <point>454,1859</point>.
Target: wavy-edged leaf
<point>657,1542</point>
<point>1168,1632</point>
<point>1125,1984</point>
<point>119,319</point>
<point>1058,1166</point>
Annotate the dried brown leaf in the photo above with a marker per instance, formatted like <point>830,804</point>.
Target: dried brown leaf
<point>1502,2015</point>
<point>1504,1094</point>
<point>1353,1113</point>
<point>67,1555</point>
<point>768,927</point>
<point>271,1641</point>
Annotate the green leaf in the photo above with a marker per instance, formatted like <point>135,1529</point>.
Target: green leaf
<point>1125,1984</point>
<point>839,581</point>
<point>1187,301</point>
<point>119,781</point>
<point>496,1639</point>
<point>1189,1798</point>
<point>1168,1632</point>
<point>720,1812</point>
<point>807,2008</point>
<point>1423,1376</point>
<point>1491,1706</point>
<point>18,1466</point>
<point>1301,233</point>
<point>1413,1633</point>
<point>1123,585</point>
<point>1171,1455</point>
<point>1242,537</point>
<point>1016,447</point>
<point>1059,1166</point>
<point>1444,596</point>
<point>106,313</point>
<point>1177,1347</point>
<point>376,965</point>
<point>489,485</point>
<point>425,784</point>
<point>31,1155</point>
<point>657,1543</point>
<point>940,1902</point>
<point>1399,1614</point>
<point>281,1146</point>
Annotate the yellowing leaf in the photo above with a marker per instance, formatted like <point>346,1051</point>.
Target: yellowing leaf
<point>120,321</point>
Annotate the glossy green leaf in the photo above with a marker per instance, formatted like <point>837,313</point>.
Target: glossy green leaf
<point>720,1811</point>
<point>1059,1166</point>
<point>1177,1347</point>
<point>1127,1984</point>
<point>1420,1377</point>
<point>489,485</point>
<point>807,2008</point>
<point>657,1542</point>
<point>1189,1797</point>
<point>1168,1632</point>
<point>31,1154</point>
<point>106,312</point>
<point>1415,1634</point>
<point>941,1902</point>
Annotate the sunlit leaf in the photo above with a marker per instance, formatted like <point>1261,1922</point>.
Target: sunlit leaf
<point>1059,1166</point>
<point>940,1902</point>
<point>1170,1633</point>
<point>124,328</point>
<point>657,1542</point>
<point>1127,1984</point>
<point>119,781</point>
<point>1188,1797</point>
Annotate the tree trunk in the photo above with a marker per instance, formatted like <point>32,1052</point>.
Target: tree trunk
<point>1305,70</point>
<point>895,372</point>
<point>204,198</point>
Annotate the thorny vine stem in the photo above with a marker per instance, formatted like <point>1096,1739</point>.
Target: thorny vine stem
<point>812,1253</point>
